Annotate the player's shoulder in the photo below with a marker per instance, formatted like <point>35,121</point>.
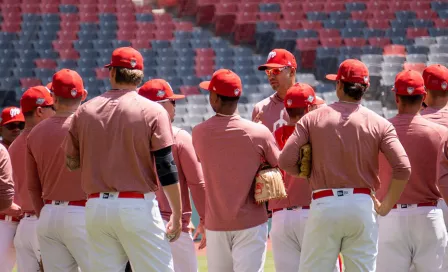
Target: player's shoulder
<point>42,126</point>
<point>264,102</point>
<point>254,129</point>
<point>438,128</point>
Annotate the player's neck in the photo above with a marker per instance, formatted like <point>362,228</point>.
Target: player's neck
<point>409,109</point>
<point>227,111</point>
<point>282,92</point>
<point>436,103</point>
<point>119,86</point>
<point>65,110</point>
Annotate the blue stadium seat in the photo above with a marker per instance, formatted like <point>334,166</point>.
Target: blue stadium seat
<point>80,45</point>
<point>9,83</point>
<point>148,53</point>
<point>50,26</point>
<point>86,72</point>
<point>352,51</point>
<point>48,36</point>
<point>182,35</point>
<point>186,61</point>
<point>224,52</point>
<point>327,51</point>
<point>422,23</point>
<point>439,5</point>
<point>47,54</point>
<point>108,26</point>
<point>435,32</point>
<point>405,15</point>
<point>87,35</point>
<point>165,61</point>
<point>402,41</point>
<point>199,44</point>
<point>261,27</point>
<point>351,33</point>
<point>43,73</point>
<point>371,33</point>
<point>24,63</point>
<point>166,52</point>
<point>355,6</point>
<point>69,64</point>
<point>443,14</point>
<point>340,15</point>
<point>417,49</point>
<point>200,34</point>
<point>9,53</point>
<point>190,81</point>
<point>88,27</point>
<point>118,43</point>
<point>5,36</point>
<point>68,9</point>
<point>223,62</point>
<point>336,24</point>
<point>5,73</point>
<point>51,18</point>
<point>28,54</point>
<point>325,87</point>
<point>31,17</point>
<point>107,17</point>
<point>102,44</point>
<point>23,72</point>
<point>269,7</point>
<point>316,16</point>
<point>306,33</point>
<point>218,42</point>
<point>250,80</point>
<point>88,54</point>
<point>242,52</point>
<point>6,45</point>
<point>395,32</point>
<point>144,17</point>
<point>160,44</point>
<point>150,71</point>
<point>184,71</point>
<point>180,44</point>
<point>107,35</point>
<point>105,53</point>
<point>355,24</point>
<point>401,23</point>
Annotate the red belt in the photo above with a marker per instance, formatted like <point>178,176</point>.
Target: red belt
<point>330,192</point>
<point>120,195</point>
<point>80,203</point>
<point>291,208</point>
<point>13,218</point>
<point>425,204</point>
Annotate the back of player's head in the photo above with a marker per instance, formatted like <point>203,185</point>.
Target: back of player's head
<point>226,84</point>
<point>128,66</point>
<point>68,87</point>
<point>354,76</point>
<point>409,87</point>
<point>34,98</point>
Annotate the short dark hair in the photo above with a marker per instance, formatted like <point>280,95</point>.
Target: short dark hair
<point>438,93</point>
<point>411,99</point>
<point>296,112</point>
<point>355,90</point>
<point>29,114</point>
<point>227,99</point>
<point>128,76</point>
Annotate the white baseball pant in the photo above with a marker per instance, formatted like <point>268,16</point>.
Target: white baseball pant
<point>412,235</point>
<point>344,223</point>
<point>7,250</point>
<point>242,250</point>
<point>119,229</point>
<point>62,236</point>
<point>287,230</point>
<point>27,245</point>
<point>184,253</point>
<point>442,205</point>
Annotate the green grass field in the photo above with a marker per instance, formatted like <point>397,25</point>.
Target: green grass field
<point>268,266</point>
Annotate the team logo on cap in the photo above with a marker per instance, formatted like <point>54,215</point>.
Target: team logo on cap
<point>236,92</point>
<point>14,111</point>
<point>40,101</point>
<point>410,90</point>
<point>160,93</point>
<point>73,92</point>
<point>310,98</point>
<point>271,55</point>
<point>289,102</point>
<point>444,85</point>
<point>133,63</point>
<point>366,79</point>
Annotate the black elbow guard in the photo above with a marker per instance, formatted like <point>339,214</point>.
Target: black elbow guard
<point>166,167</point>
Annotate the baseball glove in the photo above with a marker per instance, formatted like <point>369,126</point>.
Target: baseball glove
<point>41,265</point>
<point>305,161</point>
<point>269,184</point>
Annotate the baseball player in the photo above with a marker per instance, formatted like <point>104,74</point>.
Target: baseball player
<point>436,83</point>
<point>121,140</point>
<point>9,213</point>
<point>11,125</point>
<point>56,193</point>
<point>280,69</point>
<point>37,105</point>
<point>231,150</point>
<point>414,231</point>
<point>289,215</point>
<point>346,139</point>
<point>190,178</point>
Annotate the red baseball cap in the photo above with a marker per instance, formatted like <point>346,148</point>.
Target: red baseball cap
<point>278,58</point>
<point>49,85</point>
<point>352,71</point>
<point>158,90</point>
<point>38,96</point>
<point>300,95</point>
<point>436,77</point>
<point>126,57</point>
<point>409,82</point>
<point>224,82</point>
<point>12,114</point>
<point>319,101</point>
<point>67,84</point>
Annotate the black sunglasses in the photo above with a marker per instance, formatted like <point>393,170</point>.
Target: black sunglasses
<point>15,125</point>
<point>173,102</point>
<point>50,106</point>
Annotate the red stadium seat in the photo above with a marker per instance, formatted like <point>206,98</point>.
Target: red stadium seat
<point>165,17</point>
<point>62,45</point>
<point>379,42</point>
<point>355,42</point>
<point>383,14</point>
<point>30,8</point>
<point>166,26</point>
<point>204,70</point>
<point>290,25</point>
<point>412,33</point>
<point>224,18</point>
<point>294,16</point>
<point>183,26</point>
<point>419,67</point>
<point>69,54</point>
<point>12,17</point>
<point>125,35</point>
<point>145,34</point>
<point>11,9</point>
<point>88,8</point>
<point>93,2</point>
<point>419,5</point>
<point>140,44</point>
<point>69,26</point>
<point>205,10</point>
<point>104,8</point>
<point>11,27</point>
<point>377,6</point>
<point>205,53</point>
<point>89,17</point>
<point>246,18</point>
<point>125,9</point>
<point>128,26</point>
<point>311,25</point>
<point>69,17</point>
<point>126,16</point>
<point>399,6</point>
<point>312,6</point>
<point>49,8</point>
<point>45,63</point>
<point>224,9</point>
<point>29,82</point>
<point>102,73</point>
<point>307,44</point>
<point>361,15</point>
<point>329,33</point>
<point>107,2</point>
<point>270,16</point>
<point>205,61</point>
<point>394,49</point>
<point>146,26</point>
<point>69,2</point>
<point>291,6</point>
<point>163,35</point>
<point>442,23</point>
<point>378,24</point>
<point>166,3</point>
<point>331,42</point>
<point>426,14</point>
<point>67,35</point>
<point>334,6</point>
<point>248,7</point>
<point>189,90</point>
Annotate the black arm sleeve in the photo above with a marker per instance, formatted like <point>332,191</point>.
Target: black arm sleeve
<point>166,167</point>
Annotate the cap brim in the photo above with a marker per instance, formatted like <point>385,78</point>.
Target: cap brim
<point>319,101</point>
<point>331,77</point>
<point>12,121</point>
<point>204,85</point>
<point>270,65</point>
<point>176,96</point>
<point>107,65</point>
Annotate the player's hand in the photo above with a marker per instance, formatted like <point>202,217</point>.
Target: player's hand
<point>14,210</point>
<point>380,209</point>
<point>257,118</point>
<point>200,230</point>
<point>174,228</point>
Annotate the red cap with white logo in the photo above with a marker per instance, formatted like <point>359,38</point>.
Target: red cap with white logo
<point>224,82</point>
<point>300,95</point>
<point>126,57</point>
<point>278,58</point>
<point>11,114</point>
<point>67,84</point>
<point>352,71</point>
<point>158,90</point>
<point>409,82</point>
<point>436,77</point>
<point>38,96</point>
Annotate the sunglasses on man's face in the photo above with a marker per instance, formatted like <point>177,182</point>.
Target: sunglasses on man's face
<point>274,71</point>
<point>15,125</point>
<point>49,107</point>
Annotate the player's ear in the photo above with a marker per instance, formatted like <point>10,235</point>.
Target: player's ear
<point>292,72</point>
<point>396,98</point>
<point>84,95</point>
